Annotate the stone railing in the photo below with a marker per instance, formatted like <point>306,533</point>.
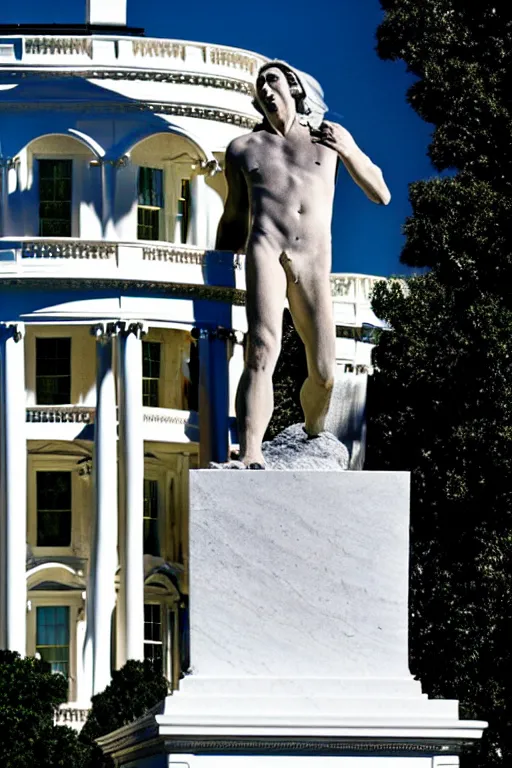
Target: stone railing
<point>59,45</point>
<point>174,255</point>
<point>165,48</point>
<point>68,249</point>
<point>139,52</point>
<point>353,287</point>
<point>59,414</point>
<point>72,715</point>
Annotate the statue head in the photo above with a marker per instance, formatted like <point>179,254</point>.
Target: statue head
<point>281,87</point>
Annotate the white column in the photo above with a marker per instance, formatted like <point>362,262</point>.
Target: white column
<point>4,198</point>
<point>214,210</point>
<point>108,181</point>
<point>198,231</point>
<point>103,563</point>
<point>131,458</point>
<point>13,469</point>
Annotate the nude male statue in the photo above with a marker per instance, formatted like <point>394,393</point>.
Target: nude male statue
<point>278,211</point>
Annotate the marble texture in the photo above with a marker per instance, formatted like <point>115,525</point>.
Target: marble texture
<point>299,574</point>
<point>293,449</point>
<point>299,585</point>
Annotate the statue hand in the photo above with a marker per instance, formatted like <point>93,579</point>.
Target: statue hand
<point>335,137</point>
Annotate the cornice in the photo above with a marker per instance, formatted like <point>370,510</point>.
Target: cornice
<point>232,296</point>
<point>154,107</point>
<point>130,75</point>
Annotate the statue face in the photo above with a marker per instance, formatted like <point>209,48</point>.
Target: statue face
<point>273,93</point>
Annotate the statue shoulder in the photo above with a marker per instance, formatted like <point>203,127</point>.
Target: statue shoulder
<point>238,147</point>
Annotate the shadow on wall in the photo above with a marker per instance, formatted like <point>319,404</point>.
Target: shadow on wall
<point>107,123</point>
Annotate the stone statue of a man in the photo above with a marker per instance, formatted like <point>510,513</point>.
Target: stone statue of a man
<point>278,211</point>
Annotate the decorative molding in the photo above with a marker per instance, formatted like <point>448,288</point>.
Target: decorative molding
<point>104,332</point>
<point>161,108</point>
<point>137,327</point>
<point>157,76</point>
<point>78,249</point>
<point>174,255</point>
<point>59,45</point>
<point>15,331</point>
<point>59,414</point>
<point>233,296</point>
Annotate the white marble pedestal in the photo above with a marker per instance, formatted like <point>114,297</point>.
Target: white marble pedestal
<point>299,584</point>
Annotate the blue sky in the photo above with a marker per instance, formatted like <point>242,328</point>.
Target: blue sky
<point>334,41</point>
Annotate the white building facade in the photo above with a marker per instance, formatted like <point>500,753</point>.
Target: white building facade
<point>119,333</point>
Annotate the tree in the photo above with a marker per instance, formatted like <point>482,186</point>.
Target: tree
<point>441,402</point>
<point>134,689</point>
<point>29,698</point>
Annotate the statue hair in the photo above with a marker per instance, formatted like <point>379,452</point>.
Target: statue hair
<point>296,88</point>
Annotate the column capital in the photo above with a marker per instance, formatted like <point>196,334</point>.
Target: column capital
<point>9,162</point>
<point>224,334</point>
<point>209,167</point>
<point>104,331</point>
<point>137,327</point>
<point>15,331</point>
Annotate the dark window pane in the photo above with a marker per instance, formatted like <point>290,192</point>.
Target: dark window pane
<point>52,637</point>
<point>55,183</point>
<point>151,187</point>
<point>152,622</point>
<point>150,373</point>
<point>148,224</point>
<point>183,209</point>
<point>53,509</point>
<point>53,371</point>
<point>151,539</point>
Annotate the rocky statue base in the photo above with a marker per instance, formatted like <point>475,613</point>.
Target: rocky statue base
<point>299,586</point>
<point>293,449</point>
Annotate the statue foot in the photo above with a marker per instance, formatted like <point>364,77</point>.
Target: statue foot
<point>232,464</point>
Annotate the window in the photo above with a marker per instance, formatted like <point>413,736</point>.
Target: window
<point>53,371</point>
<point>153,642</point>
<point>55,182</point>
<point>150,373</point>
<point>151,203</point>
<point>183,211</point>
<point>53,509</point>
<point>52,637</point>
<point>151,543</point>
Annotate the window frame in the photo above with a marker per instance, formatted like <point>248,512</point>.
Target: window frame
<point>49,463</point>
<point>150,207</point>
<point>56,511</point>
<point>158,517</point>
<point>37,182</point>
<point>153,378</point>
<point>57,598</point>
<point>70,376</point>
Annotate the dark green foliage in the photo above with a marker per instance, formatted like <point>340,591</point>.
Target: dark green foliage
<point>441,402</point>
<point>29,697</point>
<point>133,691</point>
<point>289,376</point>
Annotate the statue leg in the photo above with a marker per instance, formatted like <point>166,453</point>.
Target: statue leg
<point>266,291</point>
<point>311,309</point>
